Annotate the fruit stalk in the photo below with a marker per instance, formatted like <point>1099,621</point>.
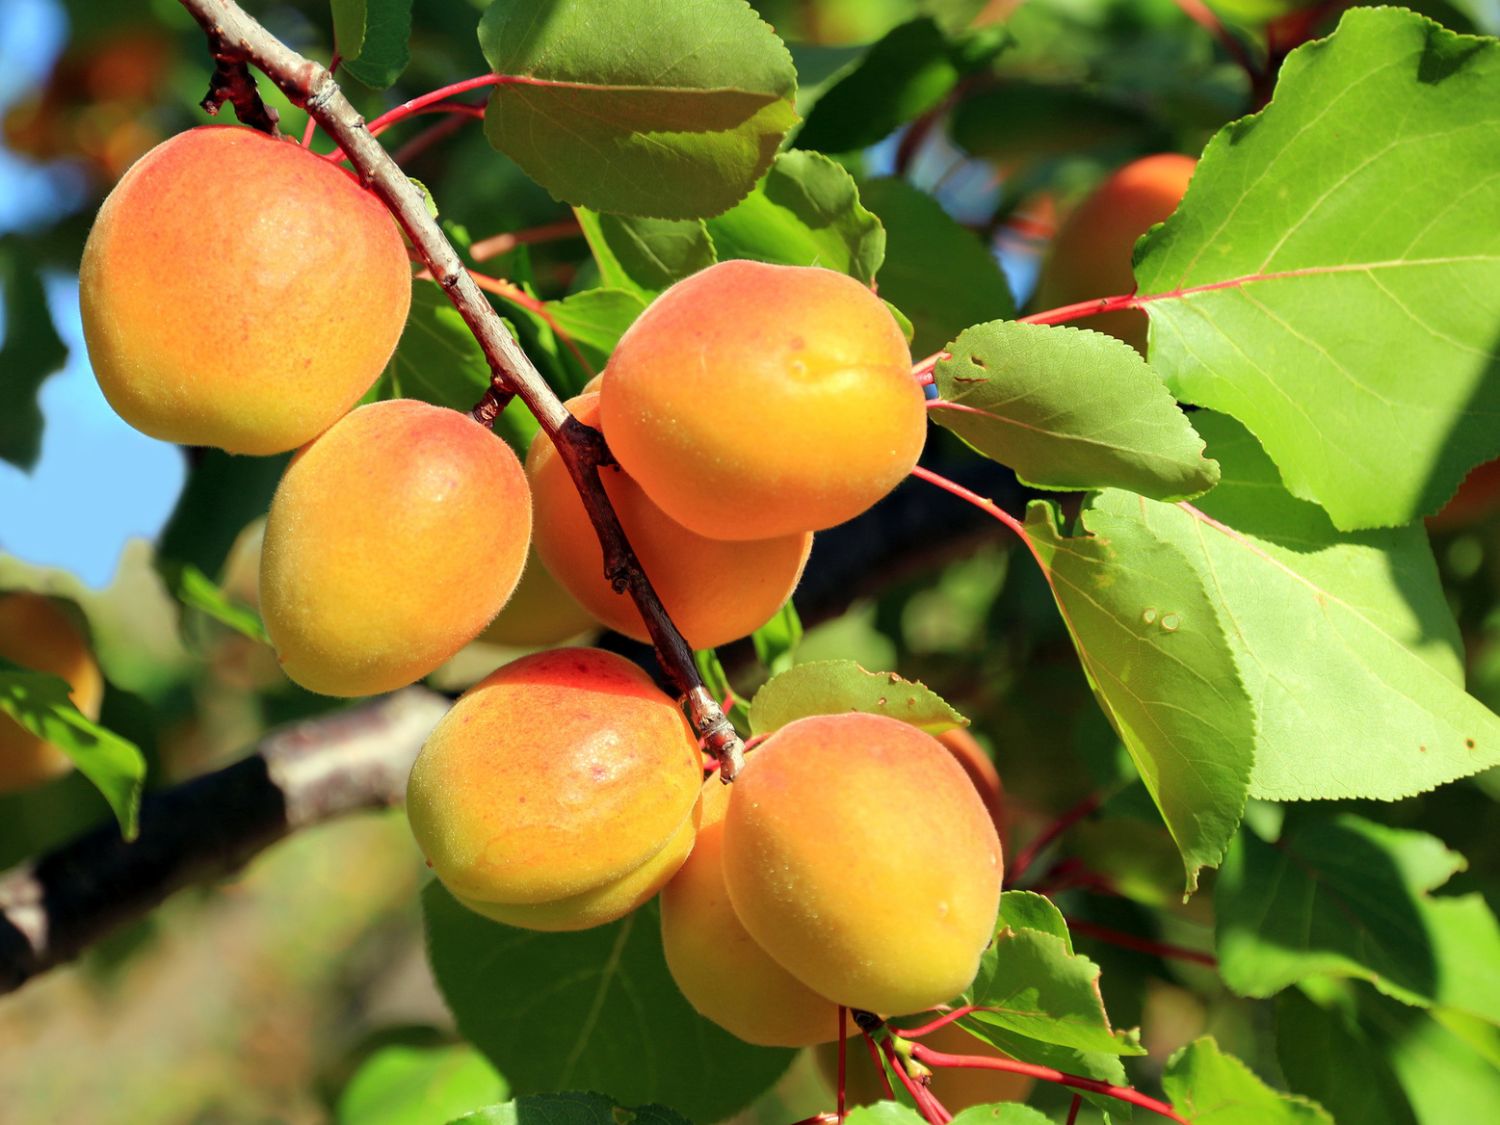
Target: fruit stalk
<point>237,39</point>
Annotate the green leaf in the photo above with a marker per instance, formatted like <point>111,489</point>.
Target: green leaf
<point>371,37</point>
<point>776,641</point>
<point>32,350</point>
<point>1001,1113</point>
<point>407,1085</point>
<point>1344,640</point>
<point>595,320</point>
<point>659,109</point>
<point>829,687</point>
<point>1320,284</point>
<point>1347,897</point>
<point>1031,982</point>
<point>1449,1068</point>
<point>570,1109</point>
<point>116,766</point>
<point>1027,910</point>
<point>805,212</point>
<point>437,359</point>
<point>194,588</point>
<point>1157,656</point>
<point>935,271</point>
<point>595,1009</point>
<point>1209,1087</point>
<point>1105,1066</point>
<point>645,256</point>
<point>1017,121</point>
<point>1330,1057</point>
<point>1068,408</point>
<point>884,1113</point>
<point>908,72</point>
<point>223,493</point>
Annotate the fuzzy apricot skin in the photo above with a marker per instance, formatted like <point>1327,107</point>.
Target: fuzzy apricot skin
<point>540,612</point>
<point>36,634</point>
<point>393,540</point>
<point>559,792</point>
<point>958,1088</point>
<point>859,855</point>
<point>1091,255</point>
<point>720,969</point>
<point>715,590</point>
<point>240,292</point>
<point>753,400</point>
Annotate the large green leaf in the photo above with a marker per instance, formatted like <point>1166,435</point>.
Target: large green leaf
<point>645,256</point>
<point>1001,1113</point>
<point>437,358</point>
<point>1344,639</point>
<point>829,687</point>
<point>1348,897</point>
<point>32,350</point>
<point>593,1010</point>
<point>805,212</point>
<point>1330,1057</point>
<point>1157,655</point>
<point>1030,982</point>
<point>910,71</point>
<point>936,272</point>
<point>1067,408</point>
<point>1448,1065</point>
<point>1332,278</point>
<point>594,321</point>
<point>371,37</point>
<point>115,765</point>
<point>653,108</point>
<point>404,1084</point>
<point>570,1109</point>
<point>1209,1087</point>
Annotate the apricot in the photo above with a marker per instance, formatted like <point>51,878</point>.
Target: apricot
<point>540,612</point>
<point>956,1087</point>
<point>559,792</point>
<point>239,291</point>
<point>1091,255</point>
<point>977,763</point>
<point>35,633</point>
<point>715,590</point>
<point>393,540</point>
<point>721,970</point>
<point>859,855</point>
<point>754,400</point>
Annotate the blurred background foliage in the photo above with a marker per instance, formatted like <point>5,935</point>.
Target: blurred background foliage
<point>256,999</point>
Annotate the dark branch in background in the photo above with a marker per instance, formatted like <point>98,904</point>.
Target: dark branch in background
<point>55,906</point>
<point>235,36</point>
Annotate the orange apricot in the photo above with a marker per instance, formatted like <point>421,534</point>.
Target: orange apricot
<point>35,633</point>
<point>754,400</point>
<point>859,855</point>
<point>715,590</point>
<point>559,792</point>
<point>722,971</point>
<point>1091,255</point>
<point>540,612</point>
<point>958,1088</point>
<point>393,540</point>
<point>240,291</point>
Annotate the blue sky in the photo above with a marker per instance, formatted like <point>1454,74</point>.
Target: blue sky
<point>99,483</point>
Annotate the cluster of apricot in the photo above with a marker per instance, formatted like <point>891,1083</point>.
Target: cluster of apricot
<point>852,862</point>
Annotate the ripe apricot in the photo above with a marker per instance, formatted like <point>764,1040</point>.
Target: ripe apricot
<point>721,970</point>
<point>393,540</point>
<point>559,792</point>
<point>858,854</point>
<point>958,1088</point>
<point>540,612</point>
<point>1091,255</point>
<point>36,634</point>
<point>715,590</point>
<point>240,291</point>
<point>753,400</point>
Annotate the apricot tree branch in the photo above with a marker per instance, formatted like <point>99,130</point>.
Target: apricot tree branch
<point>235,35</point>
<point>55,906</point>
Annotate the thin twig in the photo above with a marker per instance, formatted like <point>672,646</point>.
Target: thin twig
<point>1027,855</point>
<point>1141,944</point>
<point>310,86</point>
